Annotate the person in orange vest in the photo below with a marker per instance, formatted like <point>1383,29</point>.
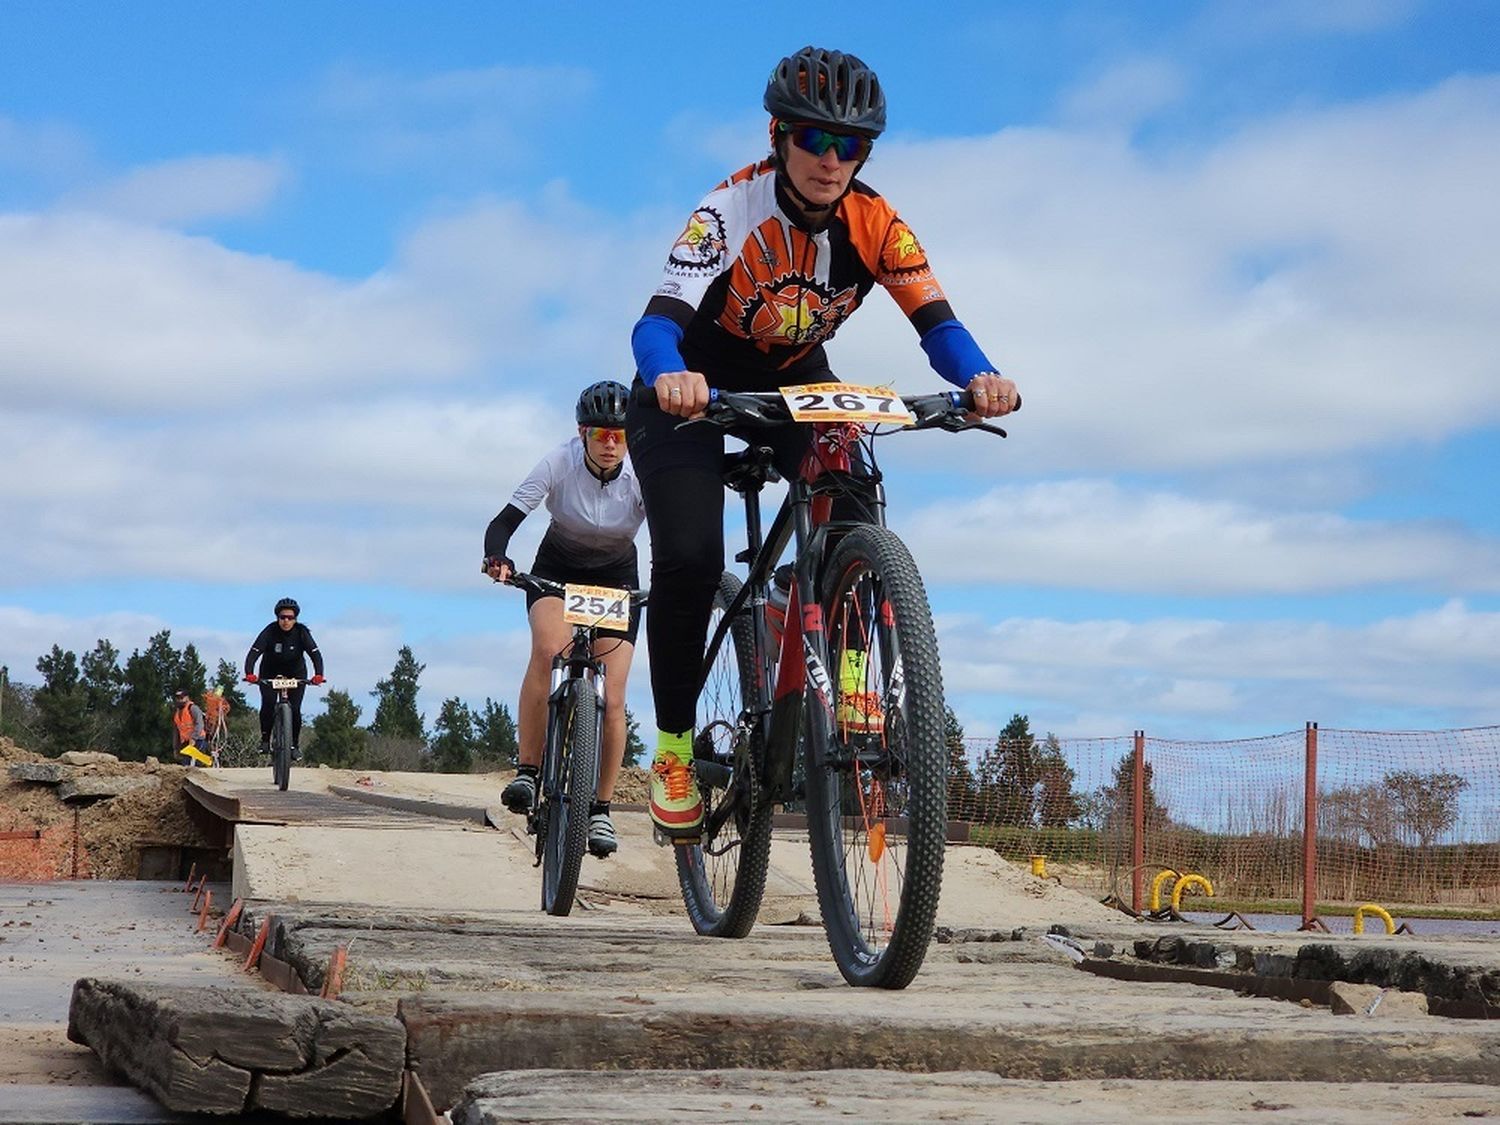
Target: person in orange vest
<point>187,717</point>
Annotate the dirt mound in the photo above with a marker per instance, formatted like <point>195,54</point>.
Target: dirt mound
<point>632,787</point>
<point>10,752</point>
<point>99,840</point>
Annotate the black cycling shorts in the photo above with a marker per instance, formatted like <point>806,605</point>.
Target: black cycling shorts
<point>623,575</point>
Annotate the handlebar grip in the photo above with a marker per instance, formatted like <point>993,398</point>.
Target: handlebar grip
<point>964,400</point>
<point>646,396</point>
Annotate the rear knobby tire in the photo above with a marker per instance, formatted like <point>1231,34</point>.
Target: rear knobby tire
<point>876,799</point>
<point>723,876</point>
<point>575,770</point>
<point>281,746</point>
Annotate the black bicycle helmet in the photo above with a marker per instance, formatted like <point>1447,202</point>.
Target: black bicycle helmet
<point>289,603</point>
<point>828,88</point>
<point>603,404</point>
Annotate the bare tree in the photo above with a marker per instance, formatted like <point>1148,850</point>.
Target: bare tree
<point>1426,805</point>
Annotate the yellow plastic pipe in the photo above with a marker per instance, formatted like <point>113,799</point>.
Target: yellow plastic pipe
<point>1379,912</point>
<point>1190,881</point>
<point>1161,877</point>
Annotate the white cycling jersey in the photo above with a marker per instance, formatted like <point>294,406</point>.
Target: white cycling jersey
<point>594,522</point>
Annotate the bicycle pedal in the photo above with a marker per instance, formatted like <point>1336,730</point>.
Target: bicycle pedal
<point>662,839</point>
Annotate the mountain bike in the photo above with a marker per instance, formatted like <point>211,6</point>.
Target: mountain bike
<point>575,712</point>
<point>844,708</point>
<point>281,728</point>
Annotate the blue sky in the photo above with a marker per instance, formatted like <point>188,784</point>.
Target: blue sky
<point>292,296</point>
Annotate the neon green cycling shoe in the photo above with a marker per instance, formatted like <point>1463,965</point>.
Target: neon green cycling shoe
<point>676,803</point>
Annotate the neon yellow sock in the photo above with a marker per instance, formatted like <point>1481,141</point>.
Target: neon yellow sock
<point>680,746</point>
<point>852,671</point>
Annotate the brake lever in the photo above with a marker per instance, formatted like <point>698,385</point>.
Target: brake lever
<point>965,424</point>
<point>957,424</point>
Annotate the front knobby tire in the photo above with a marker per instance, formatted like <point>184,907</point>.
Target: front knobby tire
<point>281,747</point>
<point>723,876</point>
<point>576,772</point>
<point>876,797</point>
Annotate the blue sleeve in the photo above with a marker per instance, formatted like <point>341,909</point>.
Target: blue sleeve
<point>655,340</point>
<point>953,353</point>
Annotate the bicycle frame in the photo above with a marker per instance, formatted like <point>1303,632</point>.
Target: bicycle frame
<point>802,657</point>
<point>576,661</point>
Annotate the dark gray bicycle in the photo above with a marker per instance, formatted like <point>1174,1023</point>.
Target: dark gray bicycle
<point>844,708</point>
<point>570,758</point>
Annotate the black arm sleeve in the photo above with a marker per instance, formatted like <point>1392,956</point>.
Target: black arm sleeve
<point>502,527</point>
<point>310,647</point>
<point>256,649</point>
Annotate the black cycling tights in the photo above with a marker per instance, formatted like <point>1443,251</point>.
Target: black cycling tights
<point>268,710</point>
<point>682,485</point>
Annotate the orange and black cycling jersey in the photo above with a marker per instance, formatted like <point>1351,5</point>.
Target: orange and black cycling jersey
<point>756,291</point>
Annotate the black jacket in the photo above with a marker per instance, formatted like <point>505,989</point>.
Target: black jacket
<point>282,653</point>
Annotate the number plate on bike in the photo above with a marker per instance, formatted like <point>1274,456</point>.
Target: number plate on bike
<point>845,402</point>
<point>600,606</point>
<point>283,683</point>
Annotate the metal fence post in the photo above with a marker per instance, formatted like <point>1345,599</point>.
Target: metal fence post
<point>1310,830</point>
<point>1138,829</point>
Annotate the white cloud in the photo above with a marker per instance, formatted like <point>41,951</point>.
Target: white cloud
<point>384,490</point>
<point>1124,94</point>
<point>1182,676</point>
<point>1319,283</point>
<point>481,116</point>
<point>1238,20</point>
<point>1096,534</point>
<point>187,190</point>
<point>114,316</point>
<point>49,150</point>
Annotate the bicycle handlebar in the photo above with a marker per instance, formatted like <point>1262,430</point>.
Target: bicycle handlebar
<point>286,683</point>
<point>538,585</point>
<point>945,410</point>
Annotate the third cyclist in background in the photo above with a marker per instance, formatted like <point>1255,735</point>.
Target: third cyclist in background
<point>281,650</point>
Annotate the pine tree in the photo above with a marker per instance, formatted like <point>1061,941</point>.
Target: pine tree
<point>227,679</point>
<point>1008,775</point>
<point>62,702</point>
<point>1057,803</point>
<point>103,683</point>
<point>635,749</point>
<point>495,736</point>
<point>962,791</point>
<point>396,714</point>
<point>337,741</point>
<point>1118,798</point>
<point>144,712</point>
<point>103,680</point>
<point>453,737</point>
<point>191,673</point>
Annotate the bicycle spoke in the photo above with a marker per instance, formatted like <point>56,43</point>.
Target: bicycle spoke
<point>723,876</point>
<point>878,818</point>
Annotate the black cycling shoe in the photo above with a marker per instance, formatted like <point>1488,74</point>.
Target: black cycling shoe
<point>265,746</point>
<point>520,794</point>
